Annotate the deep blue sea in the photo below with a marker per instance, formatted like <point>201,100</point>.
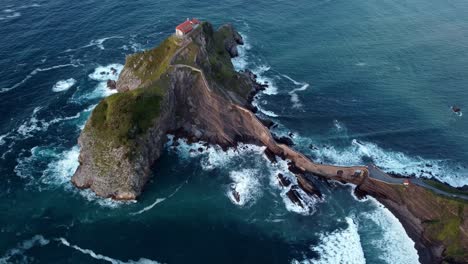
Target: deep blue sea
<point>353,81</point>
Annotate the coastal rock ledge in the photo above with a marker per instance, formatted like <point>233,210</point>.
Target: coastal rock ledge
<point>188,86</point>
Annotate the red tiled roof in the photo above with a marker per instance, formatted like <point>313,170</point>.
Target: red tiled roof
<point>185,27</point>
<point>195,21</point>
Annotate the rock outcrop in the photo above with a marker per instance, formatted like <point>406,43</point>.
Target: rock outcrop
<point>188,86</point>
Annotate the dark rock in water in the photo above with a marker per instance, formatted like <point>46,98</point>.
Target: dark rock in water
<point>267,122</point>
<point>270,155</point>
<point>113,70</point>
<point>283,180</point>
<point>283,140</point>
<point>308,186</point>
<point>236,195</point>
<point>231,42</point>
<point>294,169</point>
<point>360,194</point>
<point>103,73</point>
<point>111,84</point>
<point>294,196</point>
<point>200,149</point>
<point>456,109</point>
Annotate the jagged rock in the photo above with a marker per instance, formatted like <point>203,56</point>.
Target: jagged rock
<point>284,140</point>
<point>307,186</point>
<point>236,195</point>
<point>270,155</point>
<point>111,84</point>
<point>283,180</point>
<point>231,42</point>
<point>456,109</point>
<point>267,122</point>
<point>294,196</point>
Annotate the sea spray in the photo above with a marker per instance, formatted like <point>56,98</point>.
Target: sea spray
<point>63,85</point>
<point>340,246</point>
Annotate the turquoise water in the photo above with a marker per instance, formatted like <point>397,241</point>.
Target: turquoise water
<point>355,82</point>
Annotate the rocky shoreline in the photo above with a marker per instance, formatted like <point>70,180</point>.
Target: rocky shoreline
<point>189,88</point>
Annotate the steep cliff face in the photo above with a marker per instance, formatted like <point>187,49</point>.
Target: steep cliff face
<point>184,85</point>
<point>438,225</point>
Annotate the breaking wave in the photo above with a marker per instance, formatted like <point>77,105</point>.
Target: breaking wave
<point>9,15</point>
<point>340,246</point>
<point>246,183</point>
<point>395,244</point>
<point>104,73</point>
<point>34,72</point>
<point>160,200</point>
<point>309,203</point>
<point>63,85</point>
<point>34,123</point>
<point>15,255</point>
<point>250,171</point>
<point>98,256</point>
<point>293,93</point>
<point>96,43</point>
<point>360,152</point>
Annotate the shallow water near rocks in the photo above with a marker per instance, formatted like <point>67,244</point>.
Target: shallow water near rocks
<point>354,82</point>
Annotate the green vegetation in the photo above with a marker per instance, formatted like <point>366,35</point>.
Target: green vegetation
<point>222,70</point>
<point>446,228</point>
<point>151,64</point>
<point>444,187</point>
<point>120,118</point>
<point>188,55</point>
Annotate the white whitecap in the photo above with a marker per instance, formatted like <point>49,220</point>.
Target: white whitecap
<point>63,85</point>
<point>246,183</point>
<point>293,93</point>
<point>264,111</point>
<point>308,202</point>
<point>60,171</point>
<point>395,244</point>
<point>37,240</point>
<point>34,72</point>
<point>240,62</point>
<point>359,152</point>
<point>98,256</point>
<point>160,200</point>
<point>108,72</point>
<point>341,246</point>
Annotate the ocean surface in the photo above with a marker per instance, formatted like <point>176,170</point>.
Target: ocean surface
<point>353,81</point>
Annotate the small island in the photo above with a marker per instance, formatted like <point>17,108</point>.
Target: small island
<point>187,86</point>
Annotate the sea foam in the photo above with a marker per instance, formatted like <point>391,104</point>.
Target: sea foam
<point>21,248</point>
<point>34,72</point>
<point>247,184</point>
<point>98,256</point>
<point>63,85</point>
<point>302,86</point>
<point>340,246</point>
<point>395,244</point>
